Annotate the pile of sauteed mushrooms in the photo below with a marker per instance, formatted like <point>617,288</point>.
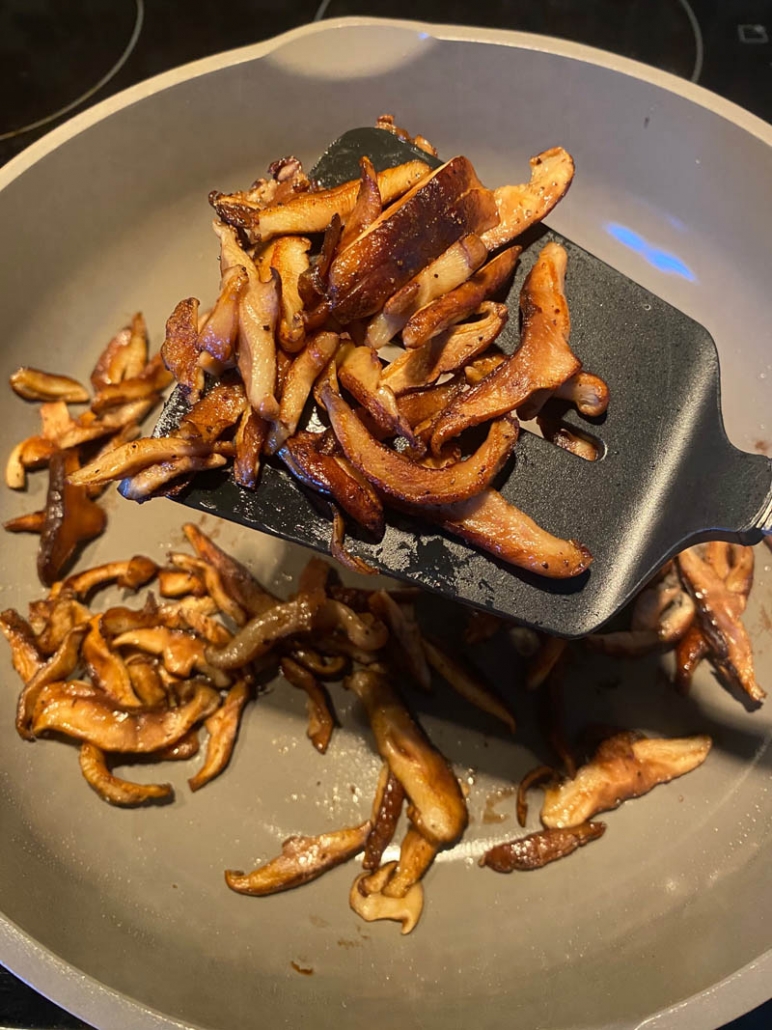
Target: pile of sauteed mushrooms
<point>353,341</point>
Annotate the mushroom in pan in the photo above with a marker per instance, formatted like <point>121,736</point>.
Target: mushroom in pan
<point>624,766</point>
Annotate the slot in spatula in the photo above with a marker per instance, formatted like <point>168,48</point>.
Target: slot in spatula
<point>667,476</point>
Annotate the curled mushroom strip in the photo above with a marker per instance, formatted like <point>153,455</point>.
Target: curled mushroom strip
<point>302,859</point>
<point>469,685</point>
<point>113,789</point>
<point>624,766</point>
<point>321,720</point>
<point>223,729</point>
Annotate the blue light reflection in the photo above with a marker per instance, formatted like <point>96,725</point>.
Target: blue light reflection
<point>662,260</point>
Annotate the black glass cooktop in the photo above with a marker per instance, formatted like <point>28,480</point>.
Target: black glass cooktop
<point>59,56</point>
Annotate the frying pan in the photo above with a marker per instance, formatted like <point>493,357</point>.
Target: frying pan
<point>122,917</point>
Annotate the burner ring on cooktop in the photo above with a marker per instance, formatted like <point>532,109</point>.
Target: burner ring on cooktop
<point>60,46</point>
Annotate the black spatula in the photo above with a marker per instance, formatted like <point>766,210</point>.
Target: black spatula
<point>667,475</point>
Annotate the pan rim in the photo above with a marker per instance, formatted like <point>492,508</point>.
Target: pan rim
<point>53,976</point>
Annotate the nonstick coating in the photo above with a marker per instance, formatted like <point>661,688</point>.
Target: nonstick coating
<point>123,916</point>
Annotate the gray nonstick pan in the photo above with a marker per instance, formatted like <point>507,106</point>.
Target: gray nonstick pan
<point>122,916</point>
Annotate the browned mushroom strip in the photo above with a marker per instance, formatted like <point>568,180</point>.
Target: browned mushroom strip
<point>146,681</point>
<point>152,381</point>
<point>537,775</point>
<point>125,435</point>
<point>544,661</point>
<point>366,899</point>
<point>458,304</point>
<point>218,336</point>
<point>33,452</point>
<point>250,439</point>
<point>689,652</point>
<point>368,206</point>
<point>72,518</point>
<point>264,630</point>
<point>321,721</point>
<point>79,711</point>
<point>624,766</point>
<point>739,562</point>
<point>138,455</point>
<point>400,478</point>
<point>319,350</point>
<point>107,669</point>
<point>124,357</point>
<point>155,479</point>
<point>360,373</point>
<point>185,748</point>
<point>543,361</point>
<point>665,607</point>
<point>471,687</point>
<point>364,631</point>
<point>34,385</point>
<point>416,854</point>
<point>180,349</point>
<point>324,667</point>
<point>290,259</point>
<point>258,316</point>
<point>129,575</point>
<point>446,352</point>
<point>181,652</point>
<point>420,407</point>
<point>32,522</point>
<point>540,848</point>
<point>478,369</point>
<point>214,585</point>
<point>223,728</point>
<point>567,439</point>
<point>340,553</point>
<point>179,583</point>
<point>387,807</point>
<point>88,427</point>
<point>312,211</point>
<point>448,204</point>
<point>112,789</point>
<point>59,666</point>
<point>236,578</point>
<point>401,620</point>
<point>588,392</point>
<point>57,617</point>
<point>439,810</point>
<point>521,206</point>
<point>25,656</point>
<point>302,859</point>
<point>719,616</point>
<point>497,526</point>
<point>218,411</point>
<point>333,477</point>
<point>187,617</point>
<point>440,276</point>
